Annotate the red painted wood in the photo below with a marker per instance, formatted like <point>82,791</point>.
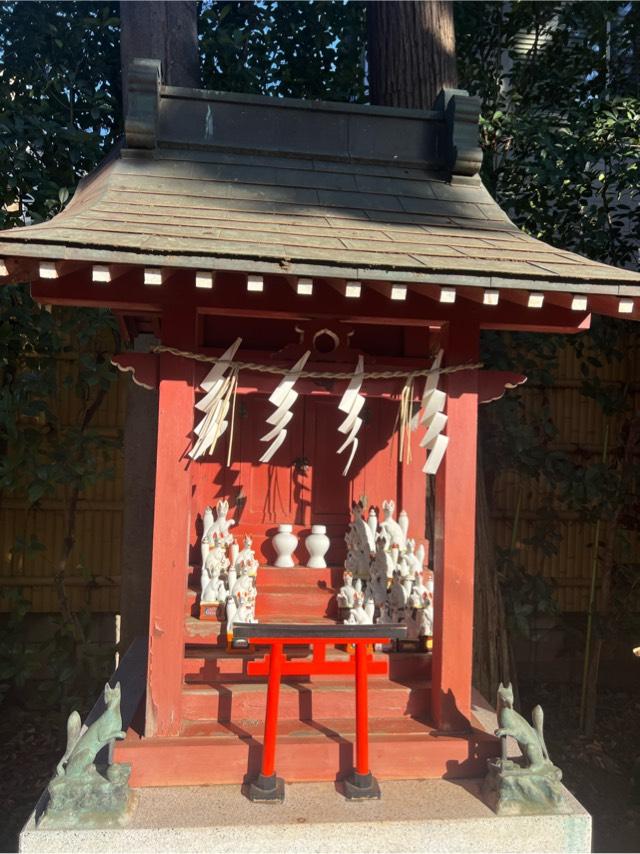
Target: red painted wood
<point>412,482</point>
<point>279,665</point>
<point>170,554</point>
<point>263,496</point>
<point>328,495</point>
<point>400,748</point>
<point>317,667</point>
<point>299,577</point>
<point>362,710</point>
<point>211,665</point>
<point>378,478</point>
<point>455,541</point>
<point>230,299</point>
<point>172,523</point>
<point>271,713</point>
<point>311,698</point>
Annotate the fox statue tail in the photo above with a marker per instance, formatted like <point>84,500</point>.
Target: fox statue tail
<point>537,716</point>
<point>74,728</point>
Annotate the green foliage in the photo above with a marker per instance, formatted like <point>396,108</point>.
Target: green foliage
<point>59,100</point>
<point>18,658</point>
<point>298,50</point>
<point>59,115</point>
<point>559,85</point>
<point>559,119</point>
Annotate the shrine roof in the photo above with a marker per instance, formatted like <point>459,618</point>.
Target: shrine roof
<point>219,181</point>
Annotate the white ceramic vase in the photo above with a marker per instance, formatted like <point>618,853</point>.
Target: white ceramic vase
<point>317,544</point>
<point>284,542</point>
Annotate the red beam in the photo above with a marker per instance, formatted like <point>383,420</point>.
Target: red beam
<point>229,297</point>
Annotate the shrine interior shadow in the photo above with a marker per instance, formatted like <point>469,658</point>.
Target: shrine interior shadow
<point>303,483</point>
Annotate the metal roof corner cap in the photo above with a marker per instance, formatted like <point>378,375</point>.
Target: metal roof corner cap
<point>461,113</point>
<point>143,98</point>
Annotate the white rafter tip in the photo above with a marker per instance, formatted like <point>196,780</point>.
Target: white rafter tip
<point>352,290</point>
<point>100,273</point>
<point>579,304</point>
<point>535,300</point>
<point>48,270</point>
<point>304,287</point>
<point>398,292</point>
<point>255,284</point>
<point>625,306</point>
<point>447,295</point>
<point>491,297</point>
<point>153,276</point>
<point>4,270</point>
<point>204,279</point>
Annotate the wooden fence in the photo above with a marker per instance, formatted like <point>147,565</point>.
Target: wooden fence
<point>581,425</point>
<point>93,574</point>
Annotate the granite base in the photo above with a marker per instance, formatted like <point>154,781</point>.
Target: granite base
<point>412,816</point>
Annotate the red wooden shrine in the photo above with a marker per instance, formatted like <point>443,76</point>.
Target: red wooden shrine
<point>291,225</point>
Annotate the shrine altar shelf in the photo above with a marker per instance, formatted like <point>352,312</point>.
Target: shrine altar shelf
<point>305,284</point>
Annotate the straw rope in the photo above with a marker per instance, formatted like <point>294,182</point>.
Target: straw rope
<point>229,391</point>
<point>409,376</point>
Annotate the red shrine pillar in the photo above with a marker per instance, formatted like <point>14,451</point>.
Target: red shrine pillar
<point>171,529</point>
<point>454,535</point>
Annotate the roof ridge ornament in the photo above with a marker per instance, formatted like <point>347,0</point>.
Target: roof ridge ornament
<point>141,121</point>
<point>463,154</point>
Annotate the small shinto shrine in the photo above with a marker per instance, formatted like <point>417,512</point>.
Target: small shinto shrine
<point>309,281</point>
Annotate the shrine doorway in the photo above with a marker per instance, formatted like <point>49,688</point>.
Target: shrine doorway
<point>303,483</point>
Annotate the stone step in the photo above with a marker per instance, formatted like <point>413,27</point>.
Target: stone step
<point>400,748</point>
<point>236,701</point>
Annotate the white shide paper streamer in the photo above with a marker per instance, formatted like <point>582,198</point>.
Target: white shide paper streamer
<point>351,403</point>
<point>215,404</point>
<point>283,398</point>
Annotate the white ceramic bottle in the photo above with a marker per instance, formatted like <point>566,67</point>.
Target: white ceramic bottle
<point>284,543</point>
<point>317,544</point>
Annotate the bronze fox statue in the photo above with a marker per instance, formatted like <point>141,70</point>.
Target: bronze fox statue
<point>530,738</point>
<point>83,747</point>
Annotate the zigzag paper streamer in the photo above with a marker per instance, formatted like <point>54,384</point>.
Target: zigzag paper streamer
<point>351,403</point>
<point>434,419</point>
<point>215,404</point>
<point>283,399</point>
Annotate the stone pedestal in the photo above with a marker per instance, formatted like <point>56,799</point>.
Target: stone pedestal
<point>100,798</point>
<point>510,789</point>
<point>420,816</point>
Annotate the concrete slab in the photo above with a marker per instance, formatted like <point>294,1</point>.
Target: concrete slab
<point>412,816</point>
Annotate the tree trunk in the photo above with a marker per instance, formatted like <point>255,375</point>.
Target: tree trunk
<point>411,52</point>
<point>167,31</point>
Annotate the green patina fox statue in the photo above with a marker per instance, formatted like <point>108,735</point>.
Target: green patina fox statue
<point>530,738</point>
<point>84,746</point>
